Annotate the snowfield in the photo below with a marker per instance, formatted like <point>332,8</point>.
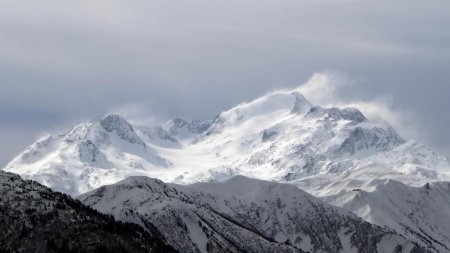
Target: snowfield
<point>335,154</point>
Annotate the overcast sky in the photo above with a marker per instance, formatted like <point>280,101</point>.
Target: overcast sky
<point>66,61</point>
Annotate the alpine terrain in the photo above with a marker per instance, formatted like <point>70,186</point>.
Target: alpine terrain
<point>337,155</point>
<point>33,218</point>
<point>242,215</point>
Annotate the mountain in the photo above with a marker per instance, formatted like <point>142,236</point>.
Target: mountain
<point>336,154</point>
<point>88,156</point>
<point>242,215</point>
<point>420,214</point>
<point>35,219</point>
<point>278,137</point>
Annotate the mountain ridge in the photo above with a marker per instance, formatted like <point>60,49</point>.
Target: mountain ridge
<point>261,138</point>
<point>35,219</point>
<point>241,214</point>
<point>331,153</point>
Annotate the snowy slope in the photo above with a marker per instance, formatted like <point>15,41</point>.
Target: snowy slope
<point>278,137</point>
<point>421,214</point>
<point>88,156</point>
<point>242,214</point>
<point>331,153</point>
<point>33,218</point>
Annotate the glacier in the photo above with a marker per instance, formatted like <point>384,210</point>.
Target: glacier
<point>335,154</point>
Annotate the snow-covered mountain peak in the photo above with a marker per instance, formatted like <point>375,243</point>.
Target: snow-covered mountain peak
<point>139,181</point>
<point>87,156</point>
<point>118,124</point>
<point>103,130</point>
<point>336,154</point>
<point>184,129</point>
<point>276,102</point>
<point>279,137</point>
<point>78,132</point>
<point>274,106</point>
<point>113,122</point>
<point>301,104</point>
<point>349,113</point>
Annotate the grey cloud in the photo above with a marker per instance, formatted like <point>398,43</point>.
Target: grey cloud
<point>62,62</point>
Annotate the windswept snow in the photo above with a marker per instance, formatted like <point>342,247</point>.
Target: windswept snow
<point>278,137</point>
<point>336,154</point>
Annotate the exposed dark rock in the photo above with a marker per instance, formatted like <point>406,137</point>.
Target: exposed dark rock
<point>35,219</point>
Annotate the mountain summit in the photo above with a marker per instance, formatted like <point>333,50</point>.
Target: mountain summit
<point>280,136</point>
<point>336,154</point>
